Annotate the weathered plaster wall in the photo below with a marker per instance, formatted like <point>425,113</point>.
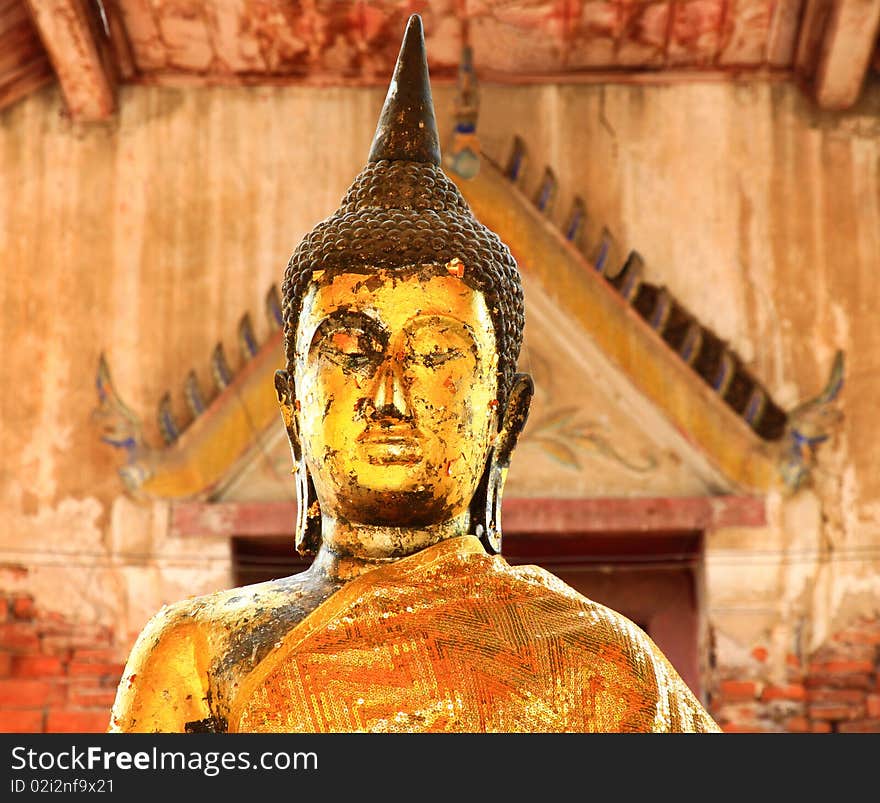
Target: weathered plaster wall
<point>148,237</point>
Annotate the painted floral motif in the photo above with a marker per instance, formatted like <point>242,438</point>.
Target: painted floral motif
<point>569,439</point>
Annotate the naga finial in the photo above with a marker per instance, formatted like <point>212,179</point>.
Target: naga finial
<point>121,428</point>
<point>809,424</point>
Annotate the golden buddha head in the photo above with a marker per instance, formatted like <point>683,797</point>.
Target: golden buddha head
<point>403,320</point>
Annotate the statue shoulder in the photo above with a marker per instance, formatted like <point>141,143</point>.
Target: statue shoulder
<point>190,651</point>
<point>675,708</point>
<point>164,684</point>
<point>640,664</point>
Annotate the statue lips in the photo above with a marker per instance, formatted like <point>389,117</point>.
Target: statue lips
<point>391,443</point>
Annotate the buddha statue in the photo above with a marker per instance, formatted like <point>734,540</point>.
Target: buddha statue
<point>403,319</point>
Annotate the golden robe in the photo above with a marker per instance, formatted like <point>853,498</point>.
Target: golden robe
<point>452,639</point>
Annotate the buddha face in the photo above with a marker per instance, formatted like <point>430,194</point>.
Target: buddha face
<point>395,382</point>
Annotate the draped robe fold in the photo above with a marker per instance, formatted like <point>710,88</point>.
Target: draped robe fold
<point>451,639</point>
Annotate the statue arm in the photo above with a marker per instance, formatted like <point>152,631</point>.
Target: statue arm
<point>678,709</point>
<point>687,714</point>
<point>165,683</point>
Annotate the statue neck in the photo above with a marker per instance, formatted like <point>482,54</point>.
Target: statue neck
<point>349,549</point>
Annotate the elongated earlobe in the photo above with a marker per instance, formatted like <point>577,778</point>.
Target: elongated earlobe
<point>516,413</point>
<point>308,519</point>
<point>485,507</point>
<point>286,401</point>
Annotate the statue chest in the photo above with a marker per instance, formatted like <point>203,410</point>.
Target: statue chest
<point>462,652</point>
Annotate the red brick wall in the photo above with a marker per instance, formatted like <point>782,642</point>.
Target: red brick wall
<point>836,690</point>
<point>56,676</point>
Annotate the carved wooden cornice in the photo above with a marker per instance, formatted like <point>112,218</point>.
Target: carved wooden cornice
<point>541,250</point>
<point>197,457</point>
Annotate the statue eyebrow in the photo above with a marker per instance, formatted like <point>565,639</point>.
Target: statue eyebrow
<point>345,318</point>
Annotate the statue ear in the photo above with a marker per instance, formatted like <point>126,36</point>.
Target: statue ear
<point>516,412</point>
<point>485,507</point>
<point>287,403</point>
<point>308,522</point>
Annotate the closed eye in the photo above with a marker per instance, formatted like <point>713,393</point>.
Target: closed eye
<point>350,348</point>
<point>439,356</point>
<point>434,340</point>
<point>350,339</point>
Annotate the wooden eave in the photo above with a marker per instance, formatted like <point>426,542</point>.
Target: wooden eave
<point>825,44</point>
<point>748,461</point>
<point>837,41</point>
<point>79,49</point>
<point>209,449</point>
<point>24,65</point>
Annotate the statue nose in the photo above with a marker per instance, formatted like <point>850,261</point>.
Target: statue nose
<point>389,396</point>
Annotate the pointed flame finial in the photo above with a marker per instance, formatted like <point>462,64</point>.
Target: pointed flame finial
<point>407,130</point>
